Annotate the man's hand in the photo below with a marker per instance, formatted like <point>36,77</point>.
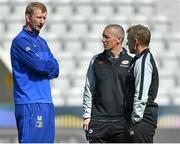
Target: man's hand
<point>86,124</point>
<point>130,127</point>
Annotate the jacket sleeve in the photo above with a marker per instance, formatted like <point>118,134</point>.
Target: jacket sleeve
<point>89,90</point>
<point>55,71</point>
<point>24,50</point>
<point>143,76</point>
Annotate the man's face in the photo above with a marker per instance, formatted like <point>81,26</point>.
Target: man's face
<point>131,43</point>
<point>109,40</point>
<point>36,19</point>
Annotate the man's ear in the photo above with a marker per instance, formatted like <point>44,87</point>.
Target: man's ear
<point>136,42</point>
<point>27,17</point>
<point>120,40</point>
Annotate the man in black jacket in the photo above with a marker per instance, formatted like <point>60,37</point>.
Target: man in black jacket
<point>103,102</point>
<point>141,87</point>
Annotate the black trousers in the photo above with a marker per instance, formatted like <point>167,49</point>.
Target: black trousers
<point>142,132</point>
<point>107,131</point>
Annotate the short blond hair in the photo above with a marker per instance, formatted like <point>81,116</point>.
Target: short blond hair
<point>33,5</point>
<point>141,33</point>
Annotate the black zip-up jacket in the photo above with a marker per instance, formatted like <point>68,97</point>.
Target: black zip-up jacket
<point>105,86</point>
<point>141,89</point>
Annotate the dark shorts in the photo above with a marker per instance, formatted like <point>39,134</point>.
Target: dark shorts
<point>35,123</point>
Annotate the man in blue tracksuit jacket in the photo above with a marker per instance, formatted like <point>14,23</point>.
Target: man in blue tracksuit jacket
<point>33,65</point>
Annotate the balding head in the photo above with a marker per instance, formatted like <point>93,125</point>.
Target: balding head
<point>117,30</point>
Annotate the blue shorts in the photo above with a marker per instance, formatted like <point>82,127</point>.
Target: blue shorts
<point>35,123</point>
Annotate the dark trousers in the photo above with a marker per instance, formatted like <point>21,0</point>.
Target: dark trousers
<point>107,131</point>
<point>142,132</point>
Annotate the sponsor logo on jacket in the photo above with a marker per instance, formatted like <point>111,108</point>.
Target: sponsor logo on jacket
<point>124,63</point>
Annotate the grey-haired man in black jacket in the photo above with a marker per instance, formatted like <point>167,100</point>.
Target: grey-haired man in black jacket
<point>103,103</point>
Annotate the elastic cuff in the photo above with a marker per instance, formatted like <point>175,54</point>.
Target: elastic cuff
<point>85,116</point>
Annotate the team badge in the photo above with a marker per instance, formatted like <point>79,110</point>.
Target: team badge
<point>124,62</point>
<point>39,122</point>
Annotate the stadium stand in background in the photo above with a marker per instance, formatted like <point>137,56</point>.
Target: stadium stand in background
<point>73,31</point>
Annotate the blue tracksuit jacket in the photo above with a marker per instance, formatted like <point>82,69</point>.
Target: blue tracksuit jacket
<point>33,65</point>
